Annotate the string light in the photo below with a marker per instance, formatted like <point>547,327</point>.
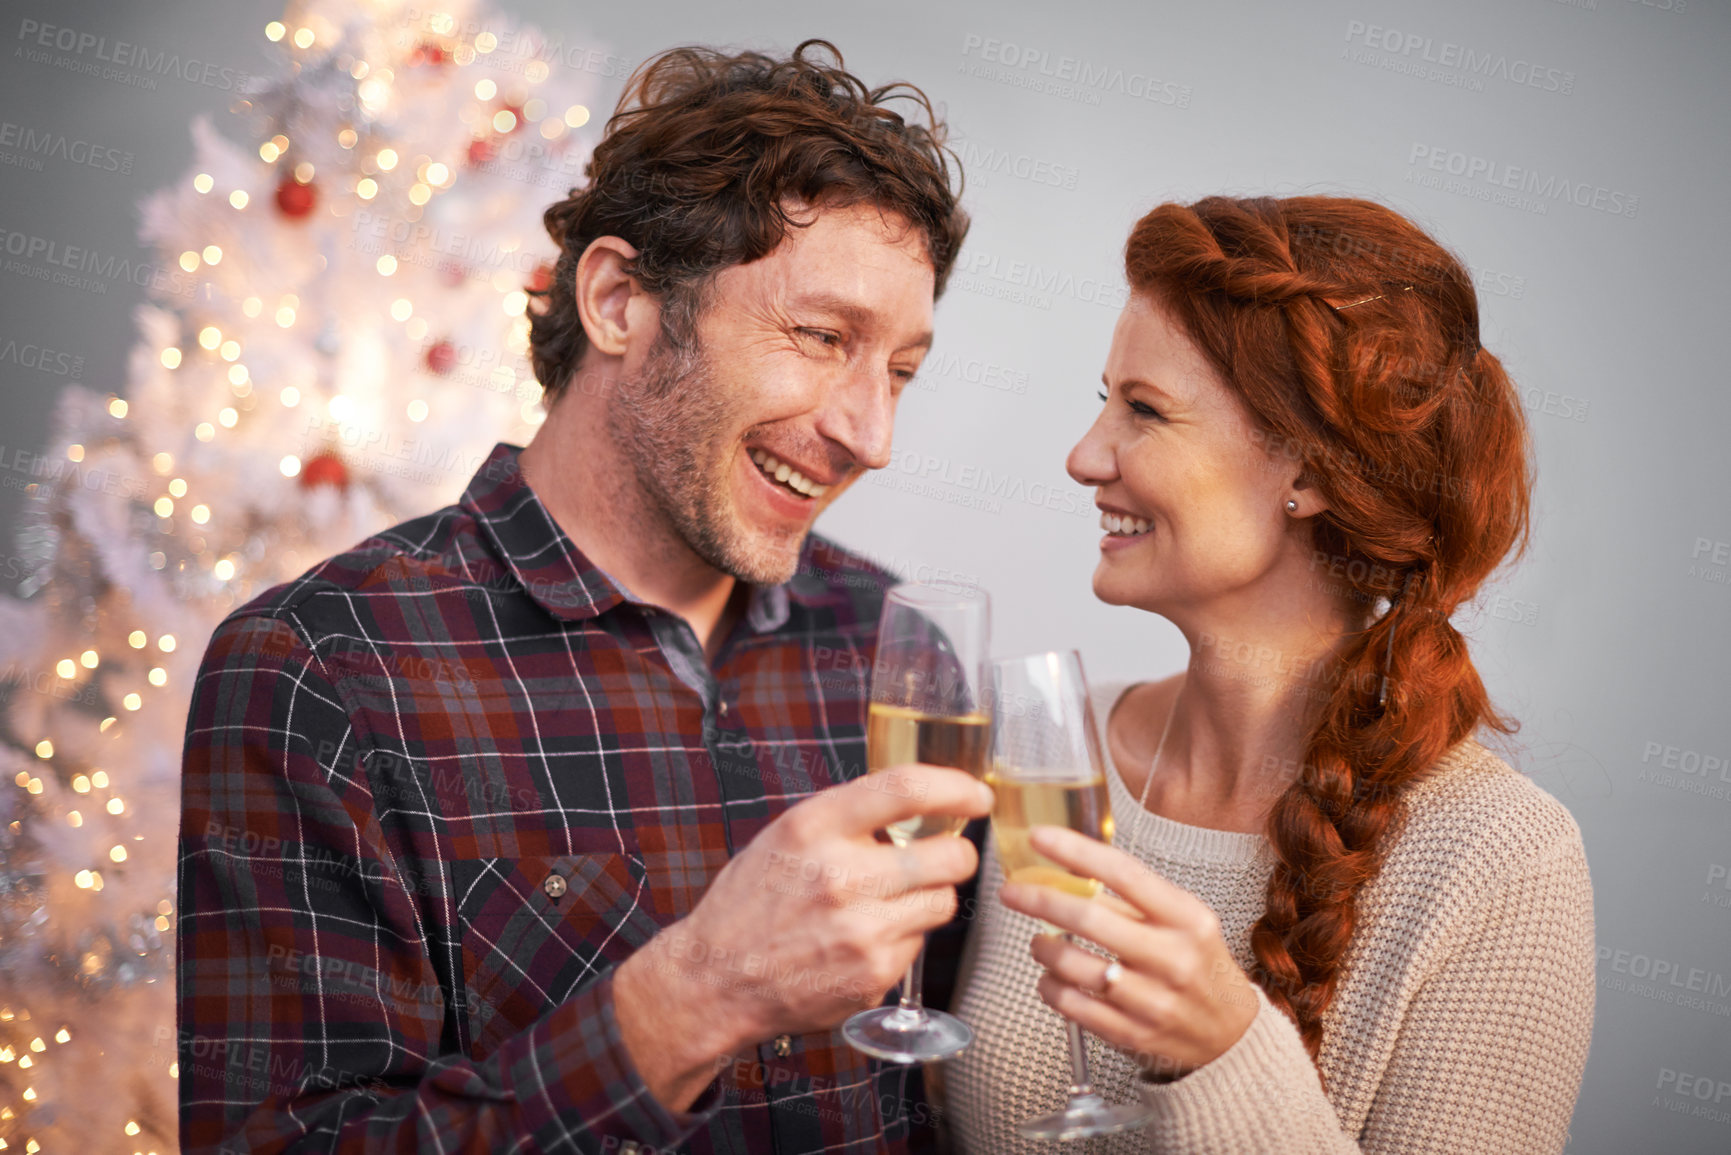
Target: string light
<point>204,431</point>
<point>210,337</point>
<point>88,659</point>
<point>203,183</point>
<point>81,783</point>
<point>387,159</point>
<point>274,31</point>
<point>238,198</point>
<point>117,407</point>
<point>290,466</point>
<point>177,487</point>
<point>157,676</point>
<point>116,806</point>
<point>171,358</point>
<point>137,639</point>
<point>166,643</point>
<point>131,702</point>
<point>99,778</point>
<point>576,116</point>
<point>45,748</point>
<point>485,89</point>
<point>290,396</point>
<point>75,453</point>
<point>212,254</point>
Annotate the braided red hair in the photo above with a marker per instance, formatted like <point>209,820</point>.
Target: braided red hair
<point>1352,337</point>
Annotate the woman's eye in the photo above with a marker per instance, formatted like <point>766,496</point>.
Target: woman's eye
<point>1137,407</point>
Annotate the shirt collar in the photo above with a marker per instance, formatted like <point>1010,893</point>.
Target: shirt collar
<point>555,573</point>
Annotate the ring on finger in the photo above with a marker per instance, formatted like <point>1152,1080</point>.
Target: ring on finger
<point>1114,971</point>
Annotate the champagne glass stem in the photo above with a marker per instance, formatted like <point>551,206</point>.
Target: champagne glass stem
<point>1081,1083</point>
<point>913,986</point>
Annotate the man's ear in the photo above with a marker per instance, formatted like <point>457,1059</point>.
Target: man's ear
<point>611,304</point>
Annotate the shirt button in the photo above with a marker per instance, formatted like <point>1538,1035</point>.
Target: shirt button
<point>554,886</point>
<point>783,1046</point>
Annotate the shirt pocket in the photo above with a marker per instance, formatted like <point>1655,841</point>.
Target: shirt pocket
<point>533,930</point>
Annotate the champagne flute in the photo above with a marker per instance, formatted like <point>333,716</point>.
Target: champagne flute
<point>928,704</point>
<point>1047,771</point>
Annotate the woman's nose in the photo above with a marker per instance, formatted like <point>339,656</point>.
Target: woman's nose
<point>1092,461</point>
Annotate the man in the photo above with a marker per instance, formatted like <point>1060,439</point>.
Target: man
<point>509,828</point>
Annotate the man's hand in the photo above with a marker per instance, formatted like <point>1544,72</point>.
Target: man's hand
<point>815,919</point>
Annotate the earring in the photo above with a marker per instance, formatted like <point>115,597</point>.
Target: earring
<point>1291,505</point>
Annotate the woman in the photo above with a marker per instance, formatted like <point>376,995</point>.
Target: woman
<point>1341,924</point>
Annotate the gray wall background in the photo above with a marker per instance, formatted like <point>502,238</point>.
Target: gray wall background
<point>1612,641</point>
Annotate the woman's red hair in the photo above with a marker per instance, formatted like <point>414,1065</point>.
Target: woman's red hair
<point>1352,337</point>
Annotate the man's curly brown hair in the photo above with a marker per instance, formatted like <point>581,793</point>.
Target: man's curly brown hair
<point>704,158</point>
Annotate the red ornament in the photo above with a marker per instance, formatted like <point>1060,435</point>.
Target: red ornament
<point>481,151</point>
<point>294,199</point>
<point>429,53</point>
<point>441,357</point>
<point>541,278</point>
<point>325,469</point>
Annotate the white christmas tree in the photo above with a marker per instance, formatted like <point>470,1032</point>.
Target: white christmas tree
<point>335,338</point>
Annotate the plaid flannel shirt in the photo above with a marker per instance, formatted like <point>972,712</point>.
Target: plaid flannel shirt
<point>436,788</point>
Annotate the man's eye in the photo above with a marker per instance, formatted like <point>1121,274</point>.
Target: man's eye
<point>824,335</point>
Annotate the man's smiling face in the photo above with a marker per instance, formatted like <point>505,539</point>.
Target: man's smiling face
<point>787,393</point>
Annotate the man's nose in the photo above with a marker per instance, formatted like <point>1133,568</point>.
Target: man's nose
<point>859,414</point>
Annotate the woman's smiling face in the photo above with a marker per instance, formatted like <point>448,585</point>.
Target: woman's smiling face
<point>1193,500</point>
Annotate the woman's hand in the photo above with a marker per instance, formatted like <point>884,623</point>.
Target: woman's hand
<point>1179,1000</point>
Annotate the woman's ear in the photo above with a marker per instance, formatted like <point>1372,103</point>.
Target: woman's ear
<point>1303,499</point>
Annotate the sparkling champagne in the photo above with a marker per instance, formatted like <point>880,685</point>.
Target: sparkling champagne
<point>1082,806</point>
<point>895,735</point>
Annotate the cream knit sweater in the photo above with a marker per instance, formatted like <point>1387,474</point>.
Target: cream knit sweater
<point>1460,1025</point>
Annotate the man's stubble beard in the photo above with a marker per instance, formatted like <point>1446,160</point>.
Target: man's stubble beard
<point>671,424</point>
